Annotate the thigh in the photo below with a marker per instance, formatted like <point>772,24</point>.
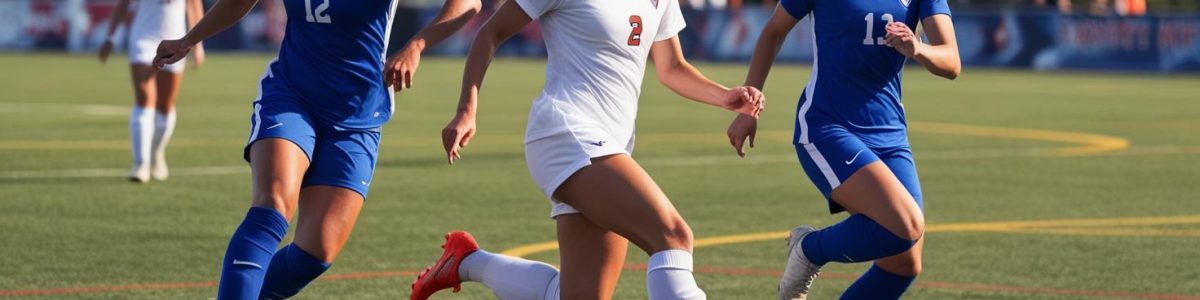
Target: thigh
<point>344,159</point>
<point>591,258</point>
<point>327,216</point>
<point>167,89</point>
<point>277,168</point>
<point>875,192</point>
<point>615,193</point>
<point>144,85</point>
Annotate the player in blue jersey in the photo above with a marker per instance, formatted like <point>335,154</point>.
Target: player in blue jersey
<point>315,132</point>
<point>851,134</point>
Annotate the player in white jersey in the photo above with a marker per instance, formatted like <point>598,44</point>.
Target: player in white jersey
<point>577,146</point>
<point>153,117</point>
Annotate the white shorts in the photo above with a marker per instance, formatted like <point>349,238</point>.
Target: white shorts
<point>143,50</point>
<point>552,158</point>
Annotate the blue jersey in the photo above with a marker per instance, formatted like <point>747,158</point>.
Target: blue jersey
<point>855,81</point>
<point>331,61</point>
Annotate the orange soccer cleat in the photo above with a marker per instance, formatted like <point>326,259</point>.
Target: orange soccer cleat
<point>444,273</point>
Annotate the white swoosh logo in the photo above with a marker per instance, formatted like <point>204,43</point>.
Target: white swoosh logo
<point>273,126</point>
<point>246,263</point>
<point>855,157</point>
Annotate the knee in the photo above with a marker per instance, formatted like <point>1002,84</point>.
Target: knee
<point>282,202</point>
<point>914,229</point>
<point>907,267</point>
<point>678,235</point>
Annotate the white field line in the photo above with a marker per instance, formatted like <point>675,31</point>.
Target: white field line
<point>707,160</point>
<point>64,108</point>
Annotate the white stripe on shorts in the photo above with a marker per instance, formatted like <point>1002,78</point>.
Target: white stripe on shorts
<point>823,165</point>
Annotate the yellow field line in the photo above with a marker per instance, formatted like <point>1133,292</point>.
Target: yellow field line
<point>1102,227</point>
<point>1089,143</point>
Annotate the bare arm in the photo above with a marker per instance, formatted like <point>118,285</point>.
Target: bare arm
<point>195,11</point>
<point>768,45</point>
<point>940,56</point>
<point>120,12</point>
<point>743,127</point>
<point>507,21</point>
<point>401,68</point>
<point>677,74</point>
<point>222,15</point>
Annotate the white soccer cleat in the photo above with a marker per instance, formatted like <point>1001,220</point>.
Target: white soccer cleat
<point>140,173</point>
<point>158,168</point>
<point>799,274</point>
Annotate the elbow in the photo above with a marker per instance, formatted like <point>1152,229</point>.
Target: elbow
<point>952,73</point>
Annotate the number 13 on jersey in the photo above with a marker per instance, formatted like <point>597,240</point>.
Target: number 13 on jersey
<point>871,39</point>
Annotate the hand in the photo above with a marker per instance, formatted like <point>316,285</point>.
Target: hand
<point>901,38</point>
<point>743,127</point>
<point>197,56</point>
<point>744,100</point>
<point>105,51</point>
<point>171,51</point>
<point>400,69</point>
<point>457,135</point>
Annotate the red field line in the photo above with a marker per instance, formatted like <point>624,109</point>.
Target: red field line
<point>636,267</point>
<point>183,285</point>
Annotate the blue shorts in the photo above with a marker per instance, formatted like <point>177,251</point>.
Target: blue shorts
<point>337,157</point>
<point>836,154</point>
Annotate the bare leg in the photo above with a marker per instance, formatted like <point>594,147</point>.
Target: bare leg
<point>327,216</point>
<point>277,169</point>
<point>591,258</point>
<point>164,122</point>
<point>141,127</point>
<point>875,192</point>
<point>617,195</point>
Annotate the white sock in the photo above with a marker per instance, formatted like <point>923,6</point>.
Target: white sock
<point>164,126</point>
<point>669,276</point>
<point>141,129</point>
<point>511,278</point>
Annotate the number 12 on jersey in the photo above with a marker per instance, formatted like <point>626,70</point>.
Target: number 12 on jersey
<point>318,15</point>
<point>871,39</point>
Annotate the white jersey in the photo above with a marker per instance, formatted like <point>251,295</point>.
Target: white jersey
<point>154,21</point>
<point>597,58</point>
<point>597,52</point>
<point>158,19</point>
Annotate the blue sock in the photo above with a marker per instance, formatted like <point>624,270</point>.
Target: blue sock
<point>855,239</point>
<point>878,284</point>
<point>250,250</point>
<point>291,270</point>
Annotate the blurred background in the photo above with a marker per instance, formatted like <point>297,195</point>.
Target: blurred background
<point>1133,35</point>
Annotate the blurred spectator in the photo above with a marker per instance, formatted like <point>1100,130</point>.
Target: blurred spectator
<point>1130,8</point>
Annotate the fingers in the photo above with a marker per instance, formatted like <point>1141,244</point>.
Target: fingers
<point>466,138</point>
<point>389,76</point>
<point>408,77</point>
<point>738,143</point>
<point>753,132</point>
<point>450,141</point>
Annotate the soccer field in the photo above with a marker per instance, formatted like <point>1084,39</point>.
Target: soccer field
<point>1037,186</point>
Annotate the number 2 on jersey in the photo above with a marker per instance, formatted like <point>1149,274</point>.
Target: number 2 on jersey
<point>318,15</point>
<point>887,18</point>
<point>635,36</point>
